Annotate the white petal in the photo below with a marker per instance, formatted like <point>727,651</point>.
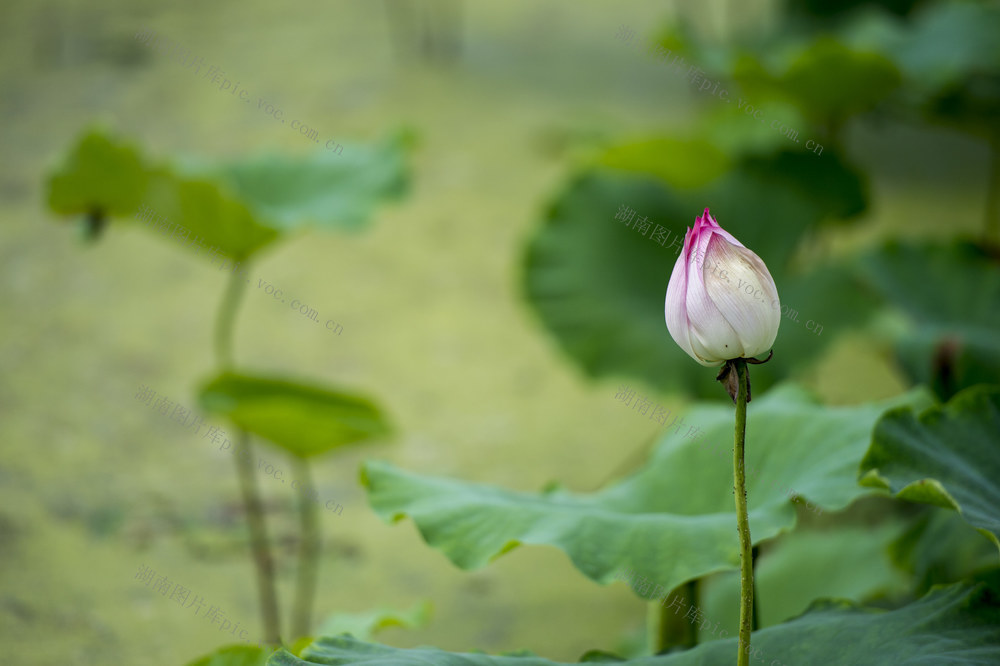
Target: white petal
<point>675,308</point>
<point>744,292</point>
<point>712,337</point>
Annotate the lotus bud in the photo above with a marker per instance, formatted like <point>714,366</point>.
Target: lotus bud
<point>721,300</point>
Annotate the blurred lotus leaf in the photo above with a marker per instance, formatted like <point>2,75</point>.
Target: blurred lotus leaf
<point>947,42</point>
<point>207,212</point>
<point>235,655</point>
<point>105,174</point>
<point>949,296</point>
<point>736,133</point>
<point>305,420</point>
<point>100,173</point>
<point>684,163</point>
<point>949,55</point>
<point>941,548</point>
<point>237,208</point>
<point>827,80</point>
<point>325,189</point>
<point>954,51</point>
<point>825,10</point>
<point>365,625</point>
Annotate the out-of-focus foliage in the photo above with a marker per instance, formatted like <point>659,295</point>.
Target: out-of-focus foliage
<point>324,189</point>
<point>683,162</point>
<point>235,655</point>
<point>823,10</point>
<point>828,81</point>
<point>363,626</point>
<point>98,174</point>
<point>957,625</point>
<point>304,420</point>
<point>940,59</point>
<point>237,208</point>
<point>209,213</point>
<point>949,456</point>
<point>949,298</point>
<point>108,175</point>
<point>841,562</point>
<point>663,521</point>
<point>942,548</point>
<point>950,58</point>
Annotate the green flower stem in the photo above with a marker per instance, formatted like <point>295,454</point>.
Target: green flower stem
<point>309,547</point>
<point>242,457</point>
<point>742,519</point>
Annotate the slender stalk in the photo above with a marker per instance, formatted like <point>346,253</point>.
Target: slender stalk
<point>305,585</point>
<point>672,629</point>
<point>226,317</point>
<point>243,459</point>
<point>259,543</point>
<point>742,519</point>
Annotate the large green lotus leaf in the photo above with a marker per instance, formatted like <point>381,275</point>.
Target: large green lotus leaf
<point>846,562</point>
<point>948,456</point>
<point>671,521</point>
<point>100,173</point>
<point>235,655</point>
<point>325,189</point>
<point>951,339</point>
<point>303,419</point>
<point>958,625</point>
<point>208,212</point>
<point>599,285</point>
